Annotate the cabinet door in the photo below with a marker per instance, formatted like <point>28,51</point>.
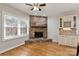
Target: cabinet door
<point>77,39</point>
<point>67,41</point>
<point>60,40</point>
<point>74,42</point>
<point>63,40</point>
<point>73,18</point>
<point>67,21</point>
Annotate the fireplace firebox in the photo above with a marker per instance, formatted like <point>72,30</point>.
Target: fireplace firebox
<point>38,34</point>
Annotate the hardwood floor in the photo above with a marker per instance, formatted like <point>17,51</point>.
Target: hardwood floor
<point>41,49</point>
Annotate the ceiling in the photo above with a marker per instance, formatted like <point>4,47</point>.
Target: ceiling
<point>51,9</point>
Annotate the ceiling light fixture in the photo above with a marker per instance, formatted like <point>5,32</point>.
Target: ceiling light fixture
<point>36,8</point>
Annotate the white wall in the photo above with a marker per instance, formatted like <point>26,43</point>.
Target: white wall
<point>53,28</point>
<point>9,44</point>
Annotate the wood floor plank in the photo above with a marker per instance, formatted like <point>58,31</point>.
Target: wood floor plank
<point>41,49</point>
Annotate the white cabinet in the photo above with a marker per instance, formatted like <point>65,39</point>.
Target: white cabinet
<point>68,21</point>
<point>61,40</point>
<point>68,40</point>
<point>67,30</point>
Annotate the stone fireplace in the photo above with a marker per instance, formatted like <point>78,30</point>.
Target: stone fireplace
<point>38,27</point>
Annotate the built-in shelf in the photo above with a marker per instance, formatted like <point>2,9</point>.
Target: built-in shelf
<point>67,30</point>
<point>67,25</point>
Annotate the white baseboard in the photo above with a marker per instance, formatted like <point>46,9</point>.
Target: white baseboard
<point>11,48</point>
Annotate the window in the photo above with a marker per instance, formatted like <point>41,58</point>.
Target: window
<point>10,26</point>
<point>14,26</point>
<point>23,27</point>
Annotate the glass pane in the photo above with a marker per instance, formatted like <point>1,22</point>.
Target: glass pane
<point>67,24</point>
<point>10,26</point>
<point>11,21</point>
<point>23,27</point>
<point>60,22</point>
<point>74,20</point>
<point>23,31</point>
<point>11,31</point>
